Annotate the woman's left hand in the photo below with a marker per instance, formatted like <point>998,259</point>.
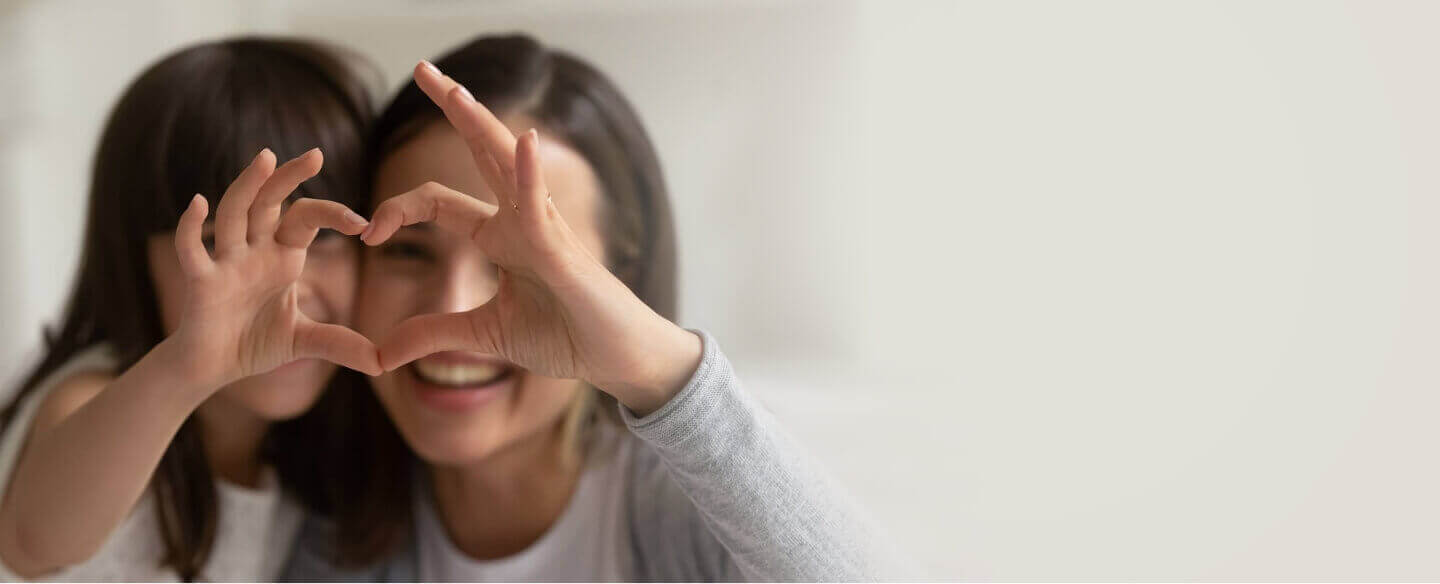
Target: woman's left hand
<point>558,311</point>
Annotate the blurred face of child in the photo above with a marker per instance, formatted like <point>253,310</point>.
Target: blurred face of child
<point>326,294</point>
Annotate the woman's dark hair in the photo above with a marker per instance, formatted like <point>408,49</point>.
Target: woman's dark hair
<point>571,102</point>
<point>189,124</point>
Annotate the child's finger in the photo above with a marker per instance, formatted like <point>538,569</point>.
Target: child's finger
<point>233,212</point>
<point>189,242</point>
<point>265,212</point>
<point>306,217</point>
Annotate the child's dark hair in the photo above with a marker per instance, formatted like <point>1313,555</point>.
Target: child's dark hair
<point>189,124</point>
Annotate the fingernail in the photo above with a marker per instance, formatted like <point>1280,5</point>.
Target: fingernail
<point>365,235</point>
<point>534,135</point>
<point>430,66</point>
<point>353,217</point>
<point>465,92</point>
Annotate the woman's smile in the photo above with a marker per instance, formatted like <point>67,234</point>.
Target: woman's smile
<point>455,380</point>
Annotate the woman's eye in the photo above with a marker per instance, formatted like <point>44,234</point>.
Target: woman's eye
<point>400,250</point>
<point>327,237</point>
<point>327,240</point>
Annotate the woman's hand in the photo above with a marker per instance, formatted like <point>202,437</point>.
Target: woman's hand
<point>558,311</point>
<point>241,315</point>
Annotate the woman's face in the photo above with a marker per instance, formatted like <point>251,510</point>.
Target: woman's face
<point>326,293</point>
<point>456,408</point>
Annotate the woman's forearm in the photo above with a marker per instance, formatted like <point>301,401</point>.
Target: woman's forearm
<point>78,479</point>
<point>775,511</point>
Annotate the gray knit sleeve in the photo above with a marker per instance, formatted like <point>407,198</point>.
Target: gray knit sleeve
<point>754,505</point>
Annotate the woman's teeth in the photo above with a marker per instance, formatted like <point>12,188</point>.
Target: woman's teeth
<point>456,374</point>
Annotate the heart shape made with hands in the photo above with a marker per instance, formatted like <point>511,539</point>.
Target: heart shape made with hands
<point>242,300</point>
<point>558,311</point>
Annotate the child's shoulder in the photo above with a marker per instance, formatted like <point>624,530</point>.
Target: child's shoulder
<point>73,385</point>
<point>68,395</point>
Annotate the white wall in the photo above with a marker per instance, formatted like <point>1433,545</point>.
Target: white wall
<point>1112,290</point>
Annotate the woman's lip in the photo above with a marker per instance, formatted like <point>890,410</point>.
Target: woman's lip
<point>447,398</point>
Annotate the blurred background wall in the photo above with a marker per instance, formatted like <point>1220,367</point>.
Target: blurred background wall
<point>1103,290</point>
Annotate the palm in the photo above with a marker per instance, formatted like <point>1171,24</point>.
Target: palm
<point>242,314</point>
<point>252,317</point>
<point>529,329</point>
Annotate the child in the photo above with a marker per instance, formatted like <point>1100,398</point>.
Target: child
<point>140,447</point>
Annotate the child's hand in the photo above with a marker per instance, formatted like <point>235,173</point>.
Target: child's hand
<point>241,314</point>
<point>558,311</point>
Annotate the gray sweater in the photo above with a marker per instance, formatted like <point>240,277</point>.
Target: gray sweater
<point>718,492</point>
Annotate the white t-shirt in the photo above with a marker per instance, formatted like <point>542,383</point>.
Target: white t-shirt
<point>255,531</point>
<point>589,542</point>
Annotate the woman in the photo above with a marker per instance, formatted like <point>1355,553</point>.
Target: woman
<point>521,287</point>
<point>143,445</point>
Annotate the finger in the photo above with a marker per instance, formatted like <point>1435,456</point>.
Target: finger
<point>306,217</point>
<point>473,119</point>
<point>450,209</point>
<point>486,136</point>
<point>232,214</point>
<point>336,344</point>
<point>434,84</point>
<point>265,213</point>
<point>194,259</point>
<point>427,334</point>
<point>499,182</point>
<point>439,88</point>
<point>531,194</point>
<point>491,143</point>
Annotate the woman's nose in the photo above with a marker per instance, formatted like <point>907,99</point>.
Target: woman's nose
<point>310,302</point>
<point>467,285</point>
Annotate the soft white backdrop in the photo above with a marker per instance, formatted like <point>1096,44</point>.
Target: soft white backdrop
<point>1105,290</point>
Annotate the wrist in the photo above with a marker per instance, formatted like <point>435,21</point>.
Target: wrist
<point>187,375</point>
<point>674,359</point>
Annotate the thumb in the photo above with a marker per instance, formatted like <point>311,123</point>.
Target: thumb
<point>426,334</point>
<point>336,344</point>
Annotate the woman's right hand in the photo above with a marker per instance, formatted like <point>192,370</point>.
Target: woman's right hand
<point>558,311</point>
<point>241,315</point>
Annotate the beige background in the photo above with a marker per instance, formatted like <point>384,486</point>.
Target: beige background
<point>1103,290</point>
